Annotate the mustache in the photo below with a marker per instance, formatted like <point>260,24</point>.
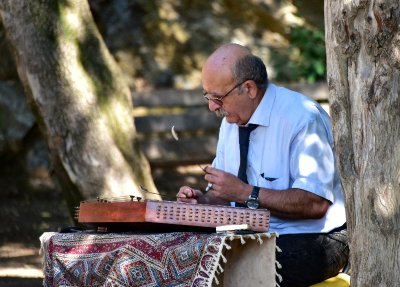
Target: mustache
<point>220,113</point>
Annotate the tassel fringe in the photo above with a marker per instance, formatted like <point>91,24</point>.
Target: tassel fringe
<point>278,264</point>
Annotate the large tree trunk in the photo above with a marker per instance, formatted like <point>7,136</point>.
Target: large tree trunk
<point>363,56</point>
<point>80,98</point>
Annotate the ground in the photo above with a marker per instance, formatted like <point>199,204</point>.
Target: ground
<point>26,215</point>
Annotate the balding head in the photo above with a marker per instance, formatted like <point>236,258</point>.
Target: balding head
<point>233,63</point>
<point>219,66</point>
<point>225,56</point>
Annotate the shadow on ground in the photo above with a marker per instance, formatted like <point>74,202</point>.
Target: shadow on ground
<point>28,209</point>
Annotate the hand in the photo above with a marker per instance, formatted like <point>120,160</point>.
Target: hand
<point>189,195</point>
<point>226,187</point>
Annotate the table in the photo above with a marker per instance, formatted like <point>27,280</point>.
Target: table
<point>164,259</point>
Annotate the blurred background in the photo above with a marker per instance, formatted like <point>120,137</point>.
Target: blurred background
<point>160,47</point>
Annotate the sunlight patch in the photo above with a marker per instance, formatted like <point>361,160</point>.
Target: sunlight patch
<point>308,165</point>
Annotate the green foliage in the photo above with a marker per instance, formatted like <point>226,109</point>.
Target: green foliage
<point>305,58</point>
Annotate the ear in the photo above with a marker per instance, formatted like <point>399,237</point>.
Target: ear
<point>251,89</point>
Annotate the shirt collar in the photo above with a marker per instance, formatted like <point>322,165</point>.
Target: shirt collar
<point>262,114</point>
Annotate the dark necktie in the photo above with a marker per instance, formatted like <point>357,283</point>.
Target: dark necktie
<point>244,136</point>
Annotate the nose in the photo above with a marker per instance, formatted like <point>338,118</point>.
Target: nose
<point>213,106</point>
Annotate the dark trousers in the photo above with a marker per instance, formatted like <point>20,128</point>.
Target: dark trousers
<point>308,259</point>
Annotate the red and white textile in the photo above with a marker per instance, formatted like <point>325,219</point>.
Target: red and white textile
<point>124,259</point>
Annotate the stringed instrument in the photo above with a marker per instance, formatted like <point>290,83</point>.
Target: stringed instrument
<point>107,215</point>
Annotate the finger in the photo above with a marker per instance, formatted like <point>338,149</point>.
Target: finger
<point>185,191</point>
<point>210,169</point>
<point>211,178</point>
<point>187,200</point>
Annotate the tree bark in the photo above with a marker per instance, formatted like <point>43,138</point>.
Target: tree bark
<point>363,57</point>
<point>81,100</point>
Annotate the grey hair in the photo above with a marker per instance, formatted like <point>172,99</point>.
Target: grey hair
<point>250,67</point>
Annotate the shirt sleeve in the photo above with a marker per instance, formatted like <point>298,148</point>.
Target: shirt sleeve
<point>312,163</point>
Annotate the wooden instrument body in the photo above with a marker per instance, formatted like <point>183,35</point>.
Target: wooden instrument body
<point>101,213</point>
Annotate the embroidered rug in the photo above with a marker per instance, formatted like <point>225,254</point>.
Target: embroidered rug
<point>176,259</point>
<point>168,259</point>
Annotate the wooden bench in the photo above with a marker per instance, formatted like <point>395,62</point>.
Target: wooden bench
<point>156,112</point>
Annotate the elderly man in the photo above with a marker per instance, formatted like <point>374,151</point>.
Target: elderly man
<point>275,151</point>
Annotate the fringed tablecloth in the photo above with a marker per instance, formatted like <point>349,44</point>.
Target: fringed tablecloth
<point>122,259</point>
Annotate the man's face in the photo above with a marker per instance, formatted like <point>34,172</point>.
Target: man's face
<point>232,102</point>
<point>226,96</point>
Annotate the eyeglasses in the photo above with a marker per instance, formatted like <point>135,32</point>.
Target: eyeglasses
<point>218,99</point>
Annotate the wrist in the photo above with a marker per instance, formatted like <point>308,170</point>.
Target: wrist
<point>244,196</point>
<point>253,201</point>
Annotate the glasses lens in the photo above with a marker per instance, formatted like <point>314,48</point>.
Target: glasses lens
<point>215,100</point>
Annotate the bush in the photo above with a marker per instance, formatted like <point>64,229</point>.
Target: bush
<point>304,60</point>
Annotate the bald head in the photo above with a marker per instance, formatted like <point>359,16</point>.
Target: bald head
<point>232,63</point>
<point>223,59</point>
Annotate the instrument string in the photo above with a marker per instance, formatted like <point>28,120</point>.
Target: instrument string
<point>125,198</point>
<point>132,197</point>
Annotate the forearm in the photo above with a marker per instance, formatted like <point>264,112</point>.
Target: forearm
<point>292,203</point>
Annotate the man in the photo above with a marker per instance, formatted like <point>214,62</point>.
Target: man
<point>290,170</point>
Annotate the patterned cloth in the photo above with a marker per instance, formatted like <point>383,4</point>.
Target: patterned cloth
<point>120,259</point>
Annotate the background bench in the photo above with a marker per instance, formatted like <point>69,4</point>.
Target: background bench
<point>156,112</point>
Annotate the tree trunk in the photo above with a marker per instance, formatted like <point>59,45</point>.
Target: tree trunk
<point>363,56</point>
<point>81,100</point>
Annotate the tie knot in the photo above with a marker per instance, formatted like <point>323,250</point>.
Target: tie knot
<point>251,127</point>
<point>244,133</point>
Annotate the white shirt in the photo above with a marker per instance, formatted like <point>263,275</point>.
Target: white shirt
<point>291,148</point>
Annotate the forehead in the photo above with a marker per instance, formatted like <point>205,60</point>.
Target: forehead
<point>216,80</point>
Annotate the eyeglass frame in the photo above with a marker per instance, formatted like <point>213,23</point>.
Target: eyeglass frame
<point>218,100</point>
